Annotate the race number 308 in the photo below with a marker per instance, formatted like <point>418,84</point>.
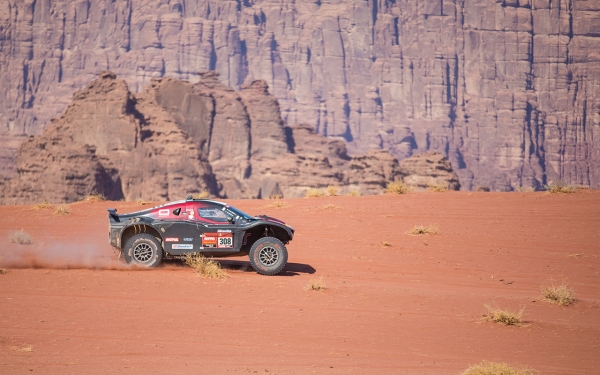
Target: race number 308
<point>225,241</point>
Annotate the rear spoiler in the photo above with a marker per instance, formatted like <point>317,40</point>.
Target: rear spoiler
<point>113,213</point>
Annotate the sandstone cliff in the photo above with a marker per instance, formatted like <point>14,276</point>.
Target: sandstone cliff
<point>178,138</point>
<point>508,90</point>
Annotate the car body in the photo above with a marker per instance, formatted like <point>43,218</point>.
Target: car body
<point>208,227</point>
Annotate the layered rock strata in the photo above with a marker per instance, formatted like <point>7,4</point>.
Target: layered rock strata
<point>508,90</point>
<point>178,138</point>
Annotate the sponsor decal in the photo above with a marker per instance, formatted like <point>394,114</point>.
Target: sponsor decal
<point>224,231</point>
<point>171,239</point>
<point>188,239</point>
<point>163,212</point>
<point>182,246</point>
<point>245,241</point>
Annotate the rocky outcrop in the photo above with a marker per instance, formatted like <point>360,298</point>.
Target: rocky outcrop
<point>178,138</point>
<point>508,90</point>
<point>427,170</point>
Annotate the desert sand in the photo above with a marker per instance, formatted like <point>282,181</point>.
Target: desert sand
<point>69,306</point>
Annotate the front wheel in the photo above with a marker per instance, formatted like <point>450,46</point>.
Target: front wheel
<point>268,256</point>
<point>143,250</point>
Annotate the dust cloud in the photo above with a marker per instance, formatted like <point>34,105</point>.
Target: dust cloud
<point>61,256</point>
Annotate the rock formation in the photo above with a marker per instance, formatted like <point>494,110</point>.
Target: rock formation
<point>426,170</point>
<point>178,138</point>
<point>508,90</point>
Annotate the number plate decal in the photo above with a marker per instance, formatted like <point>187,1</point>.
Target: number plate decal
<point>218,240</point>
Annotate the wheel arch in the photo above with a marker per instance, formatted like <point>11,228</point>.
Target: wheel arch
<point>265,230</point>
<point>134,229</point>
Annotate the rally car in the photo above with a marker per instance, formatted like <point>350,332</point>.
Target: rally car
<point>212,228</point>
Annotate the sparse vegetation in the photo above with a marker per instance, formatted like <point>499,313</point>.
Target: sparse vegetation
<point>421,229</point>
<point>576,256</point>
<point>397,187</point>
<point>523,189</point>
<point>561,295</point>
<point>94,197</point>
<point>62,209</point>
<point>276,196</point>
<point>316,284</point>
<point>315,193</point>
<point>330,207</point>
<point>505,317</point>
<point>439,188</point>
<point>494,368</point>
<point>43,206</point>
<point>142,202</point>
<point>26,348</point>
<point>559,187</point>
<point>278,204</point>
<point>354,193</point>
<point>332,190</point>
<point>205,267</point>
<point>20,237</point>
<point>204,194</point>
<point>385,244</point>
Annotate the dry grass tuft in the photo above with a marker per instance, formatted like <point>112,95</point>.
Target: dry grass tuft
<point>20,237</point>
<point>421,229</point>
<point>278,204</point>
<point>62,209</point>
<point>204,194</point>
<point>94,197</point>
<point>205,267</point>
<point>576,256</point>
<point>332,190</point>
<point>354,193</point>
<point>523,189</point>
<point>315,193</point>
<point>561,295</point>
<point>505,317</point>
<point>43,206</point>
<point>316,285</point>
<point>439,188</point>
<point>142,202</point>
<point>330,207</point>
<point>494,368</point>
<point>397,187</point>
<point>559,187</point>
<point>276,196</point>
<point>385,244</point>
<point>27,348</point>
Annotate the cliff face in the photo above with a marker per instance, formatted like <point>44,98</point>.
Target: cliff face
<point>508,90</point>
<point>177,138</point>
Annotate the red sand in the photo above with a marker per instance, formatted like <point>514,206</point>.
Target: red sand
<point>414,307</point>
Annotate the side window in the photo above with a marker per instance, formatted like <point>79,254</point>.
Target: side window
<point>212,214</point>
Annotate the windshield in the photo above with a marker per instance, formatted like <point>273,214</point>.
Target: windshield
<point>239,213</point>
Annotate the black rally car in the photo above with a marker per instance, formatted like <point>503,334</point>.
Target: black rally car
<point>211,228</point>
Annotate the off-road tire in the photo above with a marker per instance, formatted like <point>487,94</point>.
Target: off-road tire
<point>268,256</point>
<point>143,250</point>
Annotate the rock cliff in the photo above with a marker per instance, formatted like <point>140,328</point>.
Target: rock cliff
<point>176,138</point>
<point>508,90</point>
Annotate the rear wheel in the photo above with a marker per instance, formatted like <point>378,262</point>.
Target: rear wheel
<point>268,256</point>
<point>143,250</point>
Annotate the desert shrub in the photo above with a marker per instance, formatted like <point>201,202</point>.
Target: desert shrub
<point>278,204</point>
<point>276,196</point>
<point>62,209</point>
<point>561,295</point>
<point>330,207</point>
<point>438,188</point>
<point>20,237</point>
<point>505,317</point>
<point>202,195</point>
<point>385,244</point>
<point>142,202</point>
<point>493,368</point>
<point>484,189</point>
<point>94,197</point>
<point>205,267</point>
<point>316,285</point>
<point>332,190</point>
<point>559,187</point>
<point>354,193</point>
<point>315,193</point>
<point>42,206</point>
<point>397,187</point>
<point>421,229</point>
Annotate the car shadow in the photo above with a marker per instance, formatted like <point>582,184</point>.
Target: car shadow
<point>290,269</point>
